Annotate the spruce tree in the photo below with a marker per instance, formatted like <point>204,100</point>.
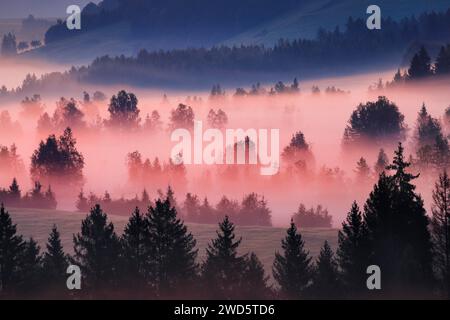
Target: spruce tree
<point>135,243</point>
<point>30,268</point>
<point>398,230</point>
<point>172,250</point>
<point>352,252</point>
<point>362,171</point>
<point>326,276</point>
<point>420,65</point>
<point>292,270</point>
<point>255,282</point>
<point>223,268</point>
<point>11,248</point>
<point>97,251</point>
<point>55,261</point>
<point>442,65</point>
<point>440,226</point>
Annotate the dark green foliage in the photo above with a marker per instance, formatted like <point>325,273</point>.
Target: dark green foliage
<point>292,269</point>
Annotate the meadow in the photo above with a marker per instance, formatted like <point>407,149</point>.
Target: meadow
<point>264,241</point>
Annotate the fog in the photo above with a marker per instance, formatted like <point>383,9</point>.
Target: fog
<point>322,118</point>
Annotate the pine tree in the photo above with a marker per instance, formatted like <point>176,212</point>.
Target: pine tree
<point>440,225</point>
<point>420,65</point>
<point>442,65</point>
<point>14,193</point>
<point>292,270</point>
<point>30,268</point>
<point>11,248</point>
<point>326,276</point>
<point>97,251</point>
<point>172,250</point>
<point>135,243</point>
<point>352,252</point>
<point>255,282</point>
<point>55,261</point>
<point>398,230</point>
<point>223,268</point>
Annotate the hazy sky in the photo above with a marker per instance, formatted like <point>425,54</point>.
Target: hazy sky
<point>39,8</point>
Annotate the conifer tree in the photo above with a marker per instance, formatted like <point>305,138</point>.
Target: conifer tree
<point>442,65</point>
<point>440,225</point>
<point>398,231</point>
<point>55,261</point>
<point>30,268</point>
<point>135,243</point>
<point>97,251</point>
<point>420,65</point>
<point>326,276</point>
<point>352,252</point>
<point>362,171</point>
<point>223,268</point>
<point>172,250</point>
<point>292,269</point>
<point>11,248</point>
<point>255,282</point>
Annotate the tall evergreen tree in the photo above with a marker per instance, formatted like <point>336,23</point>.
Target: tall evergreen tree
<point>362,171</point>
<point>255,282</point>
<point>97,251</point>
<point>55,261</point>
<point>326,276</point>
<point>223,268</point>
<point>442,65</point>
<point>292,270</point>
<point>352,252</point>
<point>172,250</point>
<point>420,65</point>
<point>135,243</point>
<point>30,268</point>
<point>11,248</point>
<point>440,226</point>
<point>398,231</point>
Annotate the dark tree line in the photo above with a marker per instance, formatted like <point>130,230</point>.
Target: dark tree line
<point>35,198</point>
<point>156,256</point>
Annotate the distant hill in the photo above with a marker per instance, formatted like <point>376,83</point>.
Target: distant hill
<point>117,27</point>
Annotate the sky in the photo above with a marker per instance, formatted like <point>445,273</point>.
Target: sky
<point>39,8</point>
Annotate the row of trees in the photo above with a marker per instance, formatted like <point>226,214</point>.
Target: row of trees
<point>157,257</point>
<point>10,47</point>
<point>421,66</point>
<point>35,198</point>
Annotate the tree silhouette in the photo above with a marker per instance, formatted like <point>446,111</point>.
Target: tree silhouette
<point>420,65</point>
<point>9,45</point>
<point>135,243</point>
<point>172,250</point>
<point>55,261</point>
<point>123,111</point>
<point>254,281</point>
<point>30,267</point>
<point>11,249</point>
<point>326,276</point>
<point>97,251</point>
<point>440,226</point>
<point>352,252</point>
<point>398,230</point>
<point>292,270</point>
<point>442,65</point>
<point>223,268</point>
<point>382,162</point>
